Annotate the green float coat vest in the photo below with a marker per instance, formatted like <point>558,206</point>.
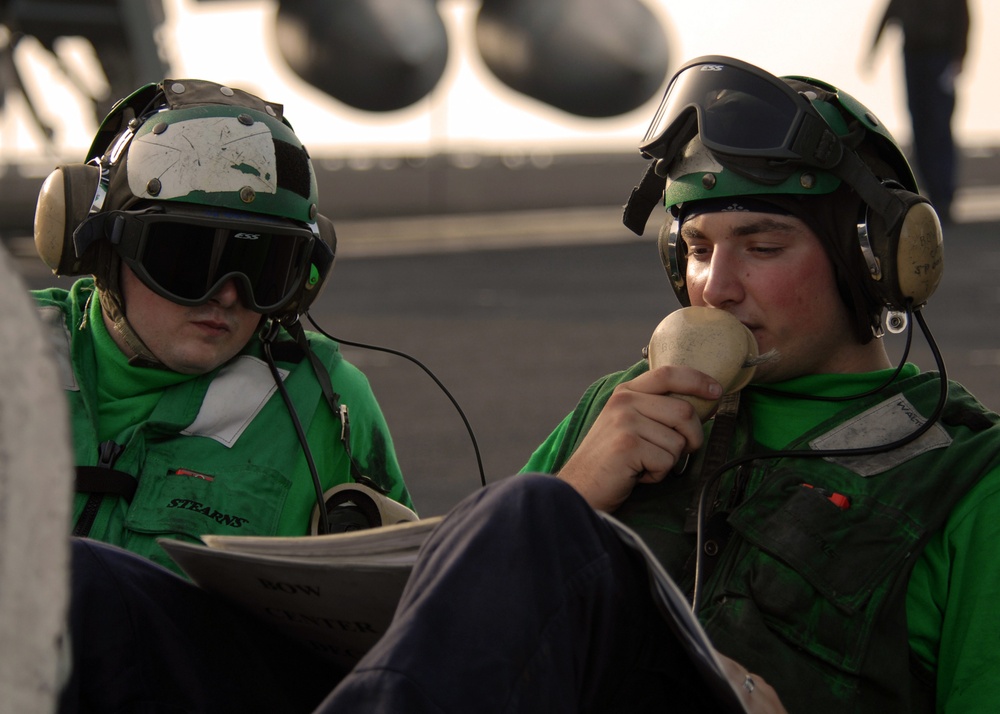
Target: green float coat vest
<point>811,557</point>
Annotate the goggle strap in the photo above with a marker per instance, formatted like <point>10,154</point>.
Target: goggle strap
<point>817,144</point>
<point>643,200</point>
<point>857,174</point>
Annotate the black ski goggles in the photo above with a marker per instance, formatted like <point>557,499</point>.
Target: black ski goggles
<point>187,256</point>
<point>739,111</point>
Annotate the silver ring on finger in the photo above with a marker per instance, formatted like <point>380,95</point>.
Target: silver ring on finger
<point>749,684</point>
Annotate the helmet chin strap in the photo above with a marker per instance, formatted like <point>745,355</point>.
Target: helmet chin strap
<point>109,292</point>
<point>142,356</point>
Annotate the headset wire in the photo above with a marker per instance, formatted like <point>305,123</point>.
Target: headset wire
<point>438,382</point>
<point>821,453</point>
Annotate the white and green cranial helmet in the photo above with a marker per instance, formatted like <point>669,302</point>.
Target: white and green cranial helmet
<point>215,146</point>
<point>191,183</point>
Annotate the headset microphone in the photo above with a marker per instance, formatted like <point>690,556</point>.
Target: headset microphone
<point>710,340</point>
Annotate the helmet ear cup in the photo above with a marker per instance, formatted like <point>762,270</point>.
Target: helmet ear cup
<point>905,265</point>
<point>672,255</point>
<point>324,253</point>
<point>321,262</point>
<point>64,201</point>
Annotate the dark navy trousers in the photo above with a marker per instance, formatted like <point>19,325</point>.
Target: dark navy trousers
<point>147,641</point>
<point>522,600</point>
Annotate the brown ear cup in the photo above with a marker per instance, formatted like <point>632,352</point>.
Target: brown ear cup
<point>905,266</point>
<point>64,201</point>
<point>324,254</point>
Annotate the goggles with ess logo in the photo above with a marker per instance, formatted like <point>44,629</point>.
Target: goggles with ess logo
<point>739,111</point>
<point>186,256</point>
<point>757,126</point>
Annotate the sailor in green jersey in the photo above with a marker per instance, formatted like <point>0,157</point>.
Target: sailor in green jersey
<point>852,582</point>
<point>198,402</point>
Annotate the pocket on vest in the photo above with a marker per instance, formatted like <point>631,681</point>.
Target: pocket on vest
<point>173,500</point>
<point>816,573</point>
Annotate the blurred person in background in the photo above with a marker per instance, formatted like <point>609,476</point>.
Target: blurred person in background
<point>935,44</point>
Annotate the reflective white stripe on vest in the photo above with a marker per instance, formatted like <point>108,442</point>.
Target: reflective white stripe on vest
<point>884,423</point>
<point>234,398</point>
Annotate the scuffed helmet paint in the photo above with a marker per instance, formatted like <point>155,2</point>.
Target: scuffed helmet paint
<point>206,144</point>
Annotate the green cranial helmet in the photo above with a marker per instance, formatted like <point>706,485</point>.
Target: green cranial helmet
<point>726,129</point>
<point>698,173</point>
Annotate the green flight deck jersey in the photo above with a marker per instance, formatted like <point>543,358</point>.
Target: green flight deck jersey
<point>206,454</point>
